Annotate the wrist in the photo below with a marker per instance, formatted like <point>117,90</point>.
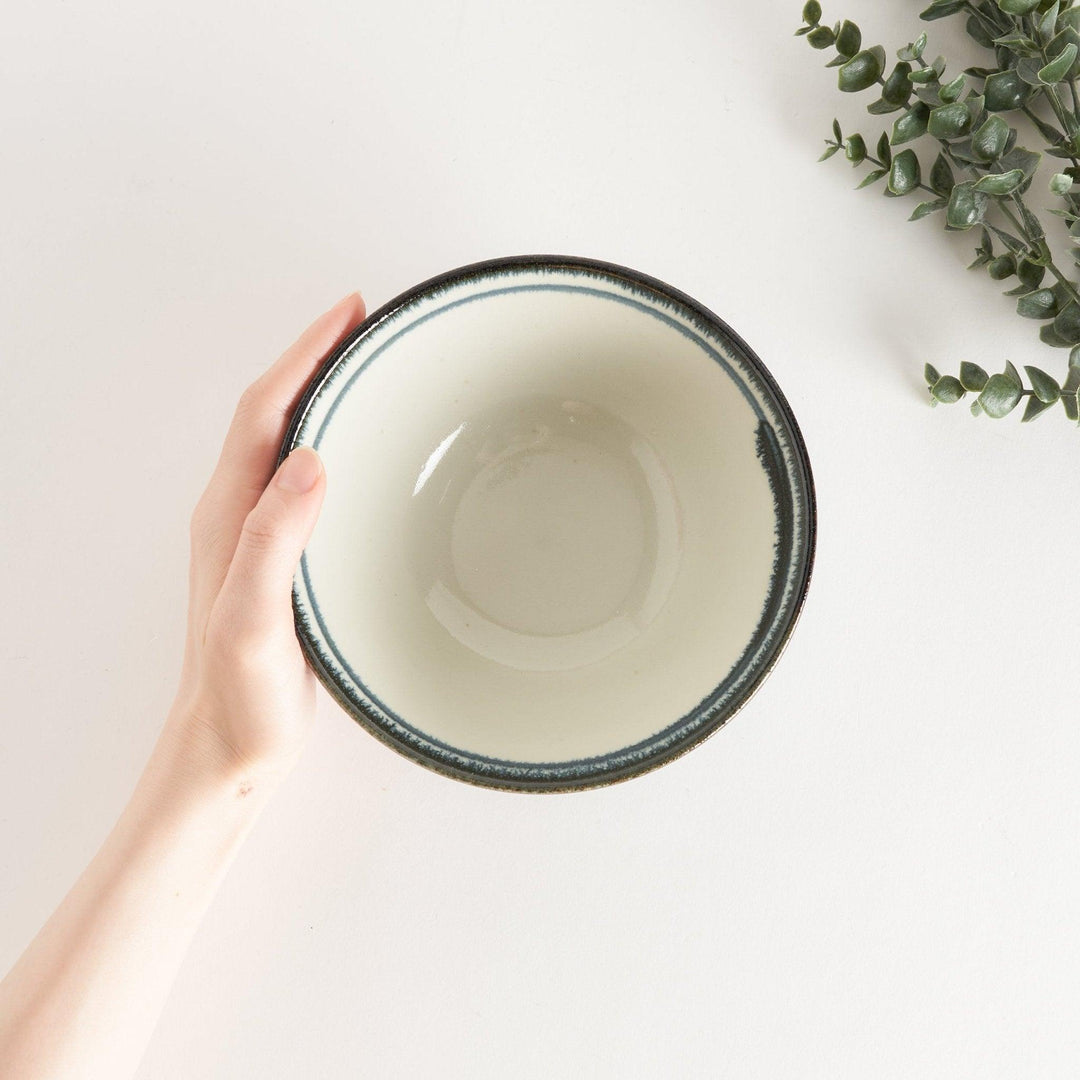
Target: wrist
<point>191,752</point>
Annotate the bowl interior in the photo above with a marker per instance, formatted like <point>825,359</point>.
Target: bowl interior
<point>567,524</point>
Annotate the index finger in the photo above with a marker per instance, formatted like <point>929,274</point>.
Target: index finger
<point>251,447</point>
<point>252,443</point>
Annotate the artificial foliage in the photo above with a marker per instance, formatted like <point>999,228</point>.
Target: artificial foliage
<point>952,146</point>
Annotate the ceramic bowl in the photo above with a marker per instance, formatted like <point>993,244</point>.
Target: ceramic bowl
<point>568,528</point>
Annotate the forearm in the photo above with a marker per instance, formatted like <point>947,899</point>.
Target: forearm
<point>83,999</point>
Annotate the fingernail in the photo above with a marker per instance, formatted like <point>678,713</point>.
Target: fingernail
<point>347,299</point>
<point>299,472</point>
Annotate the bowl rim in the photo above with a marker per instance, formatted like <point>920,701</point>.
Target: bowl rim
<point>368,717</point>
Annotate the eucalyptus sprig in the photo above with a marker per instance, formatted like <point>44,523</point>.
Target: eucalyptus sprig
<point>998,395</point>
<point>979,176</point>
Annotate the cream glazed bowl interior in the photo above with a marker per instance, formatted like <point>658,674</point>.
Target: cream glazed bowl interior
<point>568,528</point>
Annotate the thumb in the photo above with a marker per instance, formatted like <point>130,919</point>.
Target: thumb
<point>257,591</point>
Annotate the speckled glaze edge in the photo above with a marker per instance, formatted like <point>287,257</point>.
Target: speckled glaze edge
<point>796,509</point>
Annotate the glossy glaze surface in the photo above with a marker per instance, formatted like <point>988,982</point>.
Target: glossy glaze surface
<point>566,527</point>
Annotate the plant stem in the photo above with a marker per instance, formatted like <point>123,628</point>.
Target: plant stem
<point>1075,100</point>
<point>1065,118</point>
<point>1035,243</point>
<point>1040,245</point>
<point>1070,199</point>
<point>1050,265</point>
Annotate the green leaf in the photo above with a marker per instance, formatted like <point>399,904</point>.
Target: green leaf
<point>1045,386</point>
<point>829,151</point>
<point>884,150</point>
<point>855,149</point>
<point>1019,158</point>
<point>913,49</point>
<point>1067,323</point>
<point>1000,183</point>
<point>881,107</point>
<point>985,250</point>
<point>923,75</point>
<point>989,141</point>
<point>1072,381</point>
<point>1011,373</point>
<point>1030,274</point>
<point>836,130</point>
<point>821,37</point>
<point>940,8</point>
<point>966,206</point>
<point>904,174</point>
<point>960,152</point>
<point>1061,184</point>
<point>1034,408</point>
<point>911,125</point>
<point>1074,357</point>
<point>972,376</point>
<point>1010,241</point>
<point>1028,69</point>
<point>1032,225</point>
<point>1047,20</point>
<point>976,408</point>
<point>951,91</point>
<point>978,31</point>
<point>1005,90</point>
<point>1049,336</point>
<point>1018,43</point>
<point>999,396</point>
<point>1071,406</point>
<point>1047,131</point>
<point>849,40</point>
<point>1067,36</point>
<point>811,12</point>
<point>1055,71</point>
<point>871,178</point>
<point>1004,266</point>
<point>947,390</point>
<point>924,209</point>
<point>941,175</point>
<point>1038,304</point>
<point>862,70</point>
<point>897,88</point>
<point>930,373</point>
<point>949,121</point>
<point>1017,7</point>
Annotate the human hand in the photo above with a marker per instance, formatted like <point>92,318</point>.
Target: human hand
<point>246,699</point>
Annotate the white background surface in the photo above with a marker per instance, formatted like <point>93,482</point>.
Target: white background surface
<point>871,872</point>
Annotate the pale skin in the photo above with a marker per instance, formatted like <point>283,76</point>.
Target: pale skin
<point>83,999</point>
